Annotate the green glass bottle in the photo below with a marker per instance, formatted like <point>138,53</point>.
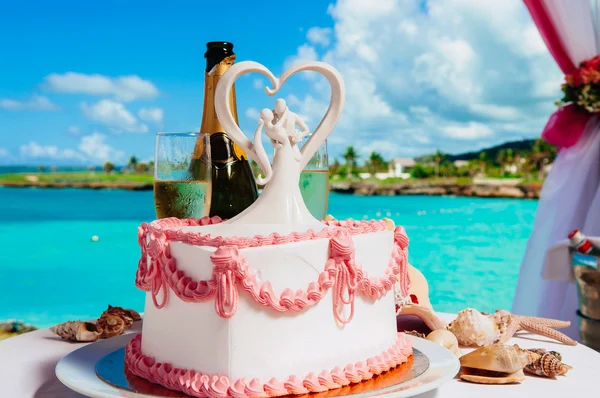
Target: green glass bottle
<point>233,184</point>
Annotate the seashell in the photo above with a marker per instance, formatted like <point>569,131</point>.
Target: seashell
<point>425,314</point>
<point>416,334</point>
<point>556,354</point>
<point>472,328</point>
<point>547,365</point>
<point>130,315</point>
<point>496,364</point>
<point>77,331</point>
<point>446,339</point>
<point>111,325</point>
<point>390,224</point>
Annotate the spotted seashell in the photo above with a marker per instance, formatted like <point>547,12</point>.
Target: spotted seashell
<point>547,365</point>
<point>556,354</point>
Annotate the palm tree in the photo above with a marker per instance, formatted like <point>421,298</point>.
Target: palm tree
<point>335,166</point>
<point>541,153</point>
<point>108,167</point>
<point>438,157</point>
<point>501,160</point>
<point>132,162</point>
<point>483,161</point>
<point>351,156</point>
<point>376,162</point>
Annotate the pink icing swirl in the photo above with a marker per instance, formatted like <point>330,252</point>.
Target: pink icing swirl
<point>198,384</point>
<point>157,271</point>
<point>402,246</point>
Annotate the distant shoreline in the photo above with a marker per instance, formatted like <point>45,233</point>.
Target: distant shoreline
<point>129,186</point>
<point>483,189</point>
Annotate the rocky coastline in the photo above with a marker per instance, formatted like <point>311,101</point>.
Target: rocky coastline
<point>483,189</point>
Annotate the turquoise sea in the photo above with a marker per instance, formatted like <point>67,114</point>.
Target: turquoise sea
<point>469,249</point>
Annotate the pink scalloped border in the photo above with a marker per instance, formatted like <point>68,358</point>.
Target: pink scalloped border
<point>171,227</point>
<point>197,384</point>
<point>231,272</point>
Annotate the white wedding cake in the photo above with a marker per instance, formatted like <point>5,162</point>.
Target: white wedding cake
<point>272,302</point>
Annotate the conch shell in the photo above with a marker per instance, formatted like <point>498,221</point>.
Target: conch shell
<point>116,320</point>
<point>496,364</point>
<point>77,331</point>
<point>446,339</point>
<point>472,328</point>
<point>113,322</point>
<point>547,365</point>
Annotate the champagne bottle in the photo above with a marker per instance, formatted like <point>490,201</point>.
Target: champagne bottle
<point>233,184</point>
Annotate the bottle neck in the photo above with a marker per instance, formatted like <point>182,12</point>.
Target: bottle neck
<point>210,123</point>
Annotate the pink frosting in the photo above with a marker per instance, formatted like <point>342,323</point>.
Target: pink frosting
<point>171,227</point>
<point>157,270</point>
<point>201,385</point>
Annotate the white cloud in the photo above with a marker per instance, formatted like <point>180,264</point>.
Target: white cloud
<point>114,115</point>
<point>252,113</point>
<point>496,111</point>
<point>317,35</point>
<point>258,83</point>
<point>152,115</point>
<point>122,88</point>
<point>305,52</point>
<point>421,78</point>
<point>92,149</point>
<point>4,153</point>
<point>95,148</point>
<point>469,131</point>
<point>35,150</point>
<point>36,102</point>
<point>74,130</point>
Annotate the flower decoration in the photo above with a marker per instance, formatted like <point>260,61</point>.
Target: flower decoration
<point>582,86</point>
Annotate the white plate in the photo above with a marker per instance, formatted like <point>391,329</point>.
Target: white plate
<point>77,371</point>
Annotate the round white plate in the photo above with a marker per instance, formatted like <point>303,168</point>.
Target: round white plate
<point>77,371</point>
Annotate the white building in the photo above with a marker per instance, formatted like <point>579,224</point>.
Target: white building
<point>401,167</point>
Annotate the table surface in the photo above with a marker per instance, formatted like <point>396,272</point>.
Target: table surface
<point>27,365</point>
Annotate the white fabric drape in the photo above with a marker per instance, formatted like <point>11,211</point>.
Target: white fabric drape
<point>574,23</point>
<point>571,194</point>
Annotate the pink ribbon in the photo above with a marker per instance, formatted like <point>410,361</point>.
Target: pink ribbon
<point>227,262</point>
<point>565,126</point>
<point>346,278</point>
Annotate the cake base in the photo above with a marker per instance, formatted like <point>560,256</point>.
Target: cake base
<point>112,370</point>
<point>398,358</point>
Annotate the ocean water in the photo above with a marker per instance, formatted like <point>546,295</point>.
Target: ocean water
<point>469,249</point>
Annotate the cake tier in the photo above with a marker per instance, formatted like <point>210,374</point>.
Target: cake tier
<point>265,307</point>
<point>199,384</point>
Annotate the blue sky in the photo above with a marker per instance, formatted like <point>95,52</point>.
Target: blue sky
<point>85,82</point>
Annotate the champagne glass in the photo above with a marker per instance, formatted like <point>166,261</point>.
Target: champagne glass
<point>314,182</point>
<point>182,175</point>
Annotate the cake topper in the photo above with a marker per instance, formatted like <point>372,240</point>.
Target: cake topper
<point>281,201</point>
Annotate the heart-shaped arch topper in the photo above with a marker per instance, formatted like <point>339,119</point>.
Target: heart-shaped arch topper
<point>281,202</point>
<point>254,149</point>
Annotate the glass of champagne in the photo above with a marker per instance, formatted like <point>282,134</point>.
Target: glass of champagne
<point>314,182</point>
<point>182,175</point>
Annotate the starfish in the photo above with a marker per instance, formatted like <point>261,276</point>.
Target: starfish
<point>541,326</point>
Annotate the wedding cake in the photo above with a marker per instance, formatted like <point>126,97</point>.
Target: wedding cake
<point>271,302</point>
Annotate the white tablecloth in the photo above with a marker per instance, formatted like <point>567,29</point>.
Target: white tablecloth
<point>27,365</point>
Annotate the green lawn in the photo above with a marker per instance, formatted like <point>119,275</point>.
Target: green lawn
<point>410,181</point>
<point>77,177</point>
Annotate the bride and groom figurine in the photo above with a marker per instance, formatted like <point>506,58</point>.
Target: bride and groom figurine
<point>280,125</point>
